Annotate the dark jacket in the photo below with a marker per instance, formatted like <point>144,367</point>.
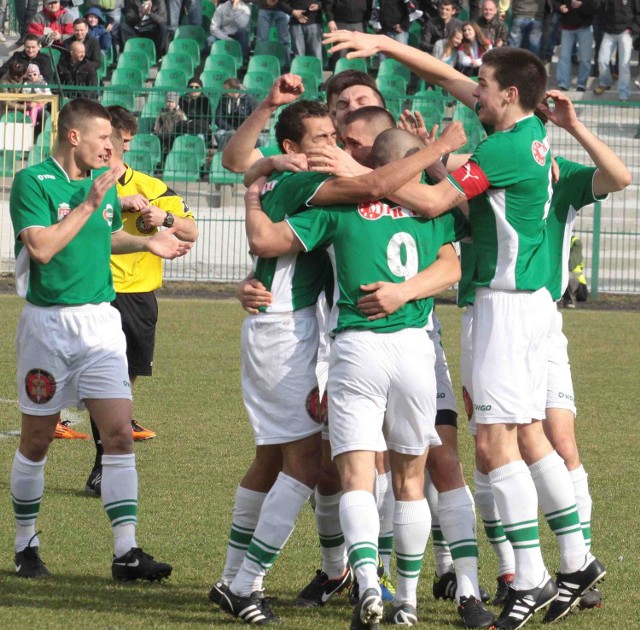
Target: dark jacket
<point>198,113</point>
<point>158,12</point>
<point>348,11</point>
<point>576,18</point>
<point>82,74</point>
<point>620,15</point>
<point>41,60</point>
<point>91,49</point>
<point>494,30</point>
<point>393,12</point>
<point>435,29</point>
<point>313,17</point>
<point>99,31</point>
<point>60,21</point>
<point>232,111</point>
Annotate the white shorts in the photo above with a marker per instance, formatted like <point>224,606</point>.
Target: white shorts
<point>67,354</point>
<point>559,385</point>
<point>279,353</point>
<point>382,382</point>
<point>466,360</point>
<point>510,339</point>
<point>447,408</point>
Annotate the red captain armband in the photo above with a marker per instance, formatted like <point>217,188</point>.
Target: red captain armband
<point>471,179</point>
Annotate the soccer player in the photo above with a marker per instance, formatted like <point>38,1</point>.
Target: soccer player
<point>147,204</point>
<point>512,310</point>
<point>387,393</point>
<point>70,345</point>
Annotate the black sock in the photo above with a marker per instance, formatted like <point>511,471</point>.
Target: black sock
<point>98,443</point>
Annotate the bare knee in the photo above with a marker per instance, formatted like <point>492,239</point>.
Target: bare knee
<point>302,459</point>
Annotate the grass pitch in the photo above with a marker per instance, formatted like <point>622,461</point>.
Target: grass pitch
<point>188,476</point>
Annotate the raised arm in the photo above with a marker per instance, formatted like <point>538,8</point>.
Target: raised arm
<point>163,244</point>
<point>424,65</point>
<point>240,152</point>
<point>612,173</point>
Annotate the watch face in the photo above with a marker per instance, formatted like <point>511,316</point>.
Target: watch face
<point>168,222</point>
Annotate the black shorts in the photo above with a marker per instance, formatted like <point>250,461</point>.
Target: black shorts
<point>139,312</point>
<point>446,417</point>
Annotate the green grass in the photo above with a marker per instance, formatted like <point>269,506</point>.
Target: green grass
<point>189,473</point>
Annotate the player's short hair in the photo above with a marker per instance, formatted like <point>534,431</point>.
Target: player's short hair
<point>290,126</point>
<point>117,143</point>
<point>32,38</point>
<point>76,113</point>
<point>347,79</point>
<point>521,69</point>
<point>122,119</point>
<point>378,117</point>
<point>80,21</point>
<point>446,3</point>
<point>392,145</point>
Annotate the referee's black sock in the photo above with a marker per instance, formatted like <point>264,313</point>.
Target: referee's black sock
<point>98,443</point>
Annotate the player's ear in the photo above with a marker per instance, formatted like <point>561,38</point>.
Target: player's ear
<point>73,137</point>
<point>290,146</point>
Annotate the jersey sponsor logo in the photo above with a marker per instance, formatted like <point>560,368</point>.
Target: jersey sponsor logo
<point>63,210</point>
<point>268,187</point>
<point>142,227</point>
<point>374,210</point>
<point>539,151</point>
<point>567,396</point>
<point>482,407</point>
<point>107,214</point>
<point>40,386</point>
<point>471,179</point>
<point>43,177</point>
<point>467,173</point>
<point>316,408</point>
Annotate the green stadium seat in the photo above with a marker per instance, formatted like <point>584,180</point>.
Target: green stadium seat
<point>208,9</point>
<point>141,44</point>
<point>178,61</point>
<point>392,84</point>
<point>118,95</point>
<point>392,68</point>
<point>10,163</point>
<point>213,80</point>
<point>189,31</point>
<point>172,79</point>
<point>222,63</point>
<point>472,127</point>
<point>307,65</point>
<point>13,116</point>
<point>431,106</point>
<point>127,76</point>
<point>181,166</point>
<point>149,144</point>
<point>192,144</point>
<point>186,47</point>
<point>227,47</point>
<point>136,60</point>
<point>310,82</point>
<point>140,161</point>
<point>350,64</point>
<point>220,176</point>
<point>265,63</point>
<point>276,49</point>
<point>258,82</point>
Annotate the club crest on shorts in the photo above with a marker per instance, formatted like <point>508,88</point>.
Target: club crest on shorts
<point>316,408</point>
<point>40,386</point>
<point>142,227</point>
<point>63,210</point>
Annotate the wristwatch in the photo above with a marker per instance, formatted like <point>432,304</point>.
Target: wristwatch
<point>168,220</point>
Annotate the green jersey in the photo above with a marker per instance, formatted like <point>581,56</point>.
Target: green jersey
<point>270,150</point>
<point>43,195</point>
<point>376,241</point>
<point>573,191</point>
<point>295,280</point>
<point>508,184</point>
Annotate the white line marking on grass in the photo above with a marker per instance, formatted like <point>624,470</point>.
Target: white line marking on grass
<point>68,415</point>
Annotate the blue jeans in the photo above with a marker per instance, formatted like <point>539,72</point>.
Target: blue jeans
<point>624,42</point>
<point>306,39</point>
<point>174,12</point>
<point>268,17</point>
<point>526,33</point>
<point>242,37</point>
<point>402,37</point>
<point>584,38</point>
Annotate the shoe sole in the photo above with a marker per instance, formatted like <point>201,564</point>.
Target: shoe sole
<point>372,615</point>
<point>571,608</point>
<point>137,438</point>
<point>155,577</point>
<point>535,610</point>
<point>91,492</point>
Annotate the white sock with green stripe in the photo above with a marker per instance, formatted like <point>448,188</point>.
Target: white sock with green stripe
<point>277,520</point>
<point>483,496</point>
<point>558,504</point>
<point>458,523</point>
<point>27,486</point>
<point>515,496</point>
<point>244,518</point>
<point>361,527</point>
<point>334,557</point>
<point>385,503</point>
<point>583,501</point>
<point>120,499</point>
<point>411,524</point>
<point>441,551</point>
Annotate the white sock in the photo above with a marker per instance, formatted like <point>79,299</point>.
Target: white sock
<point>385,503</point>
<point>558,504</point>
<point>458,523</point>
<point>515,496</point>
<point>120,499</point>
<point>583,501</point>
<point>277,520</point>
<point>244,519</point>
<point>411,523</point>
<point>27,486</point>
<point>441,551</point>
<point>334,556</point>
<point>492,524</point>
<point>361,526</point>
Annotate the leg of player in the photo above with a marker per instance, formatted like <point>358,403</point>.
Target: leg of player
<point>120,491</point>
<point>385,503</point>
<point>250,495</point>
<point>444,582</point>
<point>27,487</point>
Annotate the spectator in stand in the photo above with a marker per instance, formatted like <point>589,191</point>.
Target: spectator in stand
<point>72,7</point>
<point>305,27</point>
<point>272,12</point>
<point>98,29</point>
<point>621,24</point>
<point>576,20</point>
<point>168,121</point>
<point>145,18</point>
<point>394,20</point>
<point>474,45</point>
<point>176,9</point>
<point>348,15</point>
<point>234,107</point>
<point>232,20</point>
<point>447,49</point>
<point>112,17</point>
<point>34,83</point>
<point>527,18</point>
<point>441,26</point>
<point>31,54</point>
<point>91,44</point>
<point>52,22</point>
<point>75,70</point>
<point>14,76</point>
<point>493,27</point>
<point>25,10</point>
<point>197,109</point>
